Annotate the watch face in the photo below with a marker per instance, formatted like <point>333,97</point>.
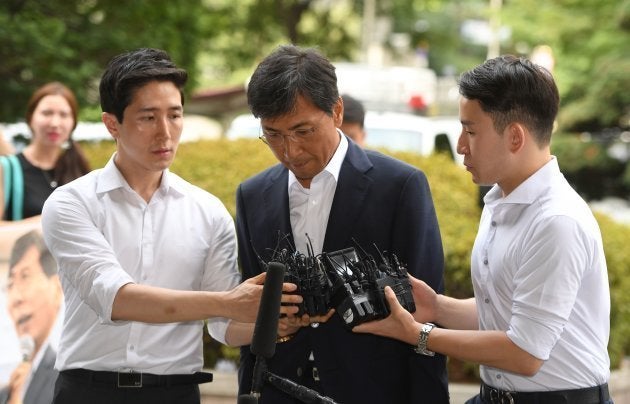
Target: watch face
<point>422,340</point>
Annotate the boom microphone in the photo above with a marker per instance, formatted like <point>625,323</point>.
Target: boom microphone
<point>266,328</point>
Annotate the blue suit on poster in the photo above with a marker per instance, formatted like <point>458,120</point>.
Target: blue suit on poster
<point>378,200</point>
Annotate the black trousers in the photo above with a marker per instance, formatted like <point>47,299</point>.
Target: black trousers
<point>546,398</point>
<point>71,390</point>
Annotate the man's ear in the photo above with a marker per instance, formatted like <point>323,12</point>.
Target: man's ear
<point>338,112</point>
<point>516,136</point>
<point>111,123</point>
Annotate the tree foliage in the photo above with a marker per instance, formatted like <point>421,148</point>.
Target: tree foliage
<point>590,41</point>
<point>72,40</point>
<point>434,27</point>
<point>220,41</point>
<point>239,34</point>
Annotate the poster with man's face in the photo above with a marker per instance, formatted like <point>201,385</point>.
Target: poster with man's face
<point>30,297</point>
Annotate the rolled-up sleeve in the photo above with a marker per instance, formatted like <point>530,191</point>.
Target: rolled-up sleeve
<point>221,270</point>
<point>87,264</point>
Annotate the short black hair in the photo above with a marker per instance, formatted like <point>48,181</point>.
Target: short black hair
<point>513,89</point>
<point>353,111</point>
<point>33,239</point>
<point>129,71</point>
<point>289,72</point>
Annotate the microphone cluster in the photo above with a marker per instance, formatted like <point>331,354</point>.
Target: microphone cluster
<point>351,283</point>
<point>264,344</point>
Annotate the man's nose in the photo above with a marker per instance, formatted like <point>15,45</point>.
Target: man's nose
<point>164,127</point>
<point>462,144</point>
<point>15,295</point>
<point>290,147</point>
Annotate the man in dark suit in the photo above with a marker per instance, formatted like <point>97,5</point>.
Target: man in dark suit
<point>34,297</point>
<point>328,194</point>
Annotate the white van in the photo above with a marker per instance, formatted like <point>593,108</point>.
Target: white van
<point>388,88</point>
<point>411,133</point>
<point>394,131</point>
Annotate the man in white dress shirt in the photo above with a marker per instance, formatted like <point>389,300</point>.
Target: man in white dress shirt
<point>540,319</point>
<point>144,256</point>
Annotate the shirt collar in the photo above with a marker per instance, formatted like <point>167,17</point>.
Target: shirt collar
<point>334,165</point>
<point>529,190</point>
<point>111,178</point>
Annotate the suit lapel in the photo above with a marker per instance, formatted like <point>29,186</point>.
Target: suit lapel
<point>353,187</point>
<point>276,206</point>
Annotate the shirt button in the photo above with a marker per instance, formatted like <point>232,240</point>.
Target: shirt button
<point>493,223</point>
<point>485,262</point>
<point>299,372</point>
<point>486,300</point>
<point>498,376</point>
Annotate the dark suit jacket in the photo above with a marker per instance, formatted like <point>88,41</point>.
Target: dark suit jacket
<point>377,200</point>
<point>42,385</point>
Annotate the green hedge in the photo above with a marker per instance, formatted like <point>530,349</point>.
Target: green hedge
<point>588,167</point>
<point>219,166</point>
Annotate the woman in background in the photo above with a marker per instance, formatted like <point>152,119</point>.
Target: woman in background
<point>51,159</point>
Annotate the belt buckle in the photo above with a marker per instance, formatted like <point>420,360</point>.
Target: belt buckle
<point>500,396</point>
<point>130,379</point>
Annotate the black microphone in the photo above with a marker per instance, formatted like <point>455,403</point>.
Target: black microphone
<point>266,328</point>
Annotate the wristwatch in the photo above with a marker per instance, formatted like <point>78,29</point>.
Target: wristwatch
<point>422,340</point>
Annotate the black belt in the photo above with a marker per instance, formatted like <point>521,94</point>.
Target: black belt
<point>589,395</point>
<point>136,379</point>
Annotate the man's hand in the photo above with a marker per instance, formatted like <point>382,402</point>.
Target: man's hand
<point>400,324</point>
<point>425,299</point>
<point>243,301</point>
<point>16,382</point>
<point>290,324</point>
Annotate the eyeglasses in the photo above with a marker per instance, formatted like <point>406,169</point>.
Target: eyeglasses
<point>301,135</point>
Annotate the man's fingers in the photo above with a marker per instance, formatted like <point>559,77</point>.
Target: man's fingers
<point>258,279</point>
<point>370,327</point>
<point>289,309</point>
<point>392,300</point>
<point>289,287</point>
<point>291,298</point>
<point>322,318</point>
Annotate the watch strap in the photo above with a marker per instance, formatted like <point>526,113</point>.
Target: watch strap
<point>423,338</point>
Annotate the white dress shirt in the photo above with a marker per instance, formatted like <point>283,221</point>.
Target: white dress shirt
<point>310,207</point>
<point>104,235</point>
<point>539,273</point>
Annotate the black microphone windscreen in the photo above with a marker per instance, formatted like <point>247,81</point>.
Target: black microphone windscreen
<point>266,327</point>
